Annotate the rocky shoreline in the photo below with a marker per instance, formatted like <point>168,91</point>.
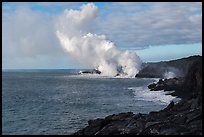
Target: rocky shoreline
<point>182,118</point>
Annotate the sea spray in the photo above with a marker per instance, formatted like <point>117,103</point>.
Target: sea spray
<point>90,49</point>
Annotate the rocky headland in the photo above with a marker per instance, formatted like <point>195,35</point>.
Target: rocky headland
<point>182,118</point>
<point>178,68</point>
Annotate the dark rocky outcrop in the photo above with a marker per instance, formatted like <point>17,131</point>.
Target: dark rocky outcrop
<point>94,71</point>
<point>167,84</point>
<point>182,118</point>
<point>178,67</point>
<point>183,86</point>
<point>193,79</point>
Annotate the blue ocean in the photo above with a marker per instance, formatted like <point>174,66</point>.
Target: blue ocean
<point>60,102</point>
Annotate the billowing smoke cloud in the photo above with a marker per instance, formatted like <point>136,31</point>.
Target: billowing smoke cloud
<point>90,49</point>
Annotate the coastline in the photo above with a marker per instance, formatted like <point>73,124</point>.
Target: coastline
<point>182,118</point>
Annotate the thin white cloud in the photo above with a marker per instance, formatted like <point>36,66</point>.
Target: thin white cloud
<point>28,34</point>
<point>155,24</point>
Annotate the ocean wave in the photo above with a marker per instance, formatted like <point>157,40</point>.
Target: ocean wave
<point>160,97</point>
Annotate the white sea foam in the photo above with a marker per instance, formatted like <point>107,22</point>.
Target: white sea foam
<point>160,97</point>
<point>99,76</point>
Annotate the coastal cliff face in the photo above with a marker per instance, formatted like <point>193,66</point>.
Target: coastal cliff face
<point>183,118</point>
<point>178,68</point>
<point>185,86</point>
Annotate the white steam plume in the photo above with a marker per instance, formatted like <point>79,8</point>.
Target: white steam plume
<point>169,75</point>
<point>91,49</point>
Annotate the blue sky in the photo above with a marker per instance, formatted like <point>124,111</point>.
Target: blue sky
<point>166,52</point>
<point>174,30</point>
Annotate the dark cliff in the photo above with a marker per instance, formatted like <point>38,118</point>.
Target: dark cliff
<point>185,86</point>
<point>158,69</point>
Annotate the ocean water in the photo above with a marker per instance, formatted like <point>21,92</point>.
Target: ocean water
<point>61,102</point>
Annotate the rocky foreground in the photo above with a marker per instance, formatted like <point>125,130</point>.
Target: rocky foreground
<point>183,118</point>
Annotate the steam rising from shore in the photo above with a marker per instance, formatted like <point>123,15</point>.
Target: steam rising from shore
<point>93,50</point>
